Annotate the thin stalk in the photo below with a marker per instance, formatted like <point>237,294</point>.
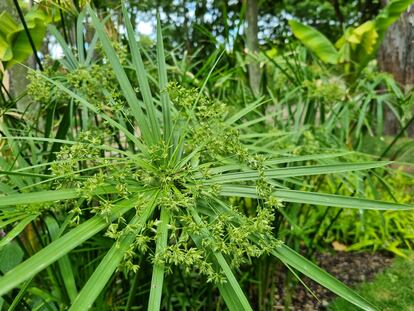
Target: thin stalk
<point>62,19</point>
<point>5,89</point>
<point>3,97</point>
<point>29,36</point>
<point>396,138</point>
<point>132,292</point>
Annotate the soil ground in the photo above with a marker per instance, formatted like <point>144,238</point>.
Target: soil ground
<point>350,268</point>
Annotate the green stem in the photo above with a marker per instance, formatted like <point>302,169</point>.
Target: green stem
<point>132,292</point>
<point>29,36</point>
<point>154,303</point>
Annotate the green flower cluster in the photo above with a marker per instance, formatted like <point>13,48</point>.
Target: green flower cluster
<point>96,83</point>
<point>192,244</point>
<point>327,91</point>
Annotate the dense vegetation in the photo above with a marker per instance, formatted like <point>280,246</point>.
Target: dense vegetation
<point>180,170</point>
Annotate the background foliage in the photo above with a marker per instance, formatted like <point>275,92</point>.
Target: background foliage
<point>123,191</point>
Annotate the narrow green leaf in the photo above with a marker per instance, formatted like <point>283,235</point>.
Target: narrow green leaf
<point>311,157</point>
<point>123,80</point>
<point>295,171</point>
<point>163,83</point>
<point>14,173</point>
<point>71,59</point>
<point>17,229</point>
<point>39,197</point>
<point>64,263</point>
<point>19,296</point>
<point>157,280</point>
<point>85,103</point>
<point>91,49</point>
<point>10,218</point>
<point>238,166</point>
<point>79,37</point>
<point>48,196</point>
<point>233,285</point>
<point>141,74</point>
<point>240,114</point>
<point>314,198</point>
<point>59,248</point>
<point>295,260</point>
<point>207,78</point>
<point>62,141</point>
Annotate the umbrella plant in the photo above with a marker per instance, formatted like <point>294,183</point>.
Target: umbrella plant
<point>163,192</point>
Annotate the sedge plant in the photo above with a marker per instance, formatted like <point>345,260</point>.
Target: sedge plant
<point>163,193</point>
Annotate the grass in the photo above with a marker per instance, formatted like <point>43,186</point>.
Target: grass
<point>392,289</point>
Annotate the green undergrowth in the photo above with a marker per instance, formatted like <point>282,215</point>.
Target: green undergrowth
<point>391,290</point>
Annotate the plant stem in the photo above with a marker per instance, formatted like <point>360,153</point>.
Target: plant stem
<point>396,138</point>
<point>29,36</point>
<point>132,292</point>
<point>62,19</point>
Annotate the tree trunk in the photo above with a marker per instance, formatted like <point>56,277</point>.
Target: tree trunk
<point>252,44</point>
<point>396,54</point>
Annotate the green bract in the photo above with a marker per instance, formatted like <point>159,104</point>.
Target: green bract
<point>158,176</point>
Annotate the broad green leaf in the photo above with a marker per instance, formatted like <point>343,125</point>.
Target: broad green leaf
<point>21,45</point>
<point>157,280</point>
<point>357,44</point>
<point>368,36</point>
<point>390,14</point>
<point>315,42</point>
<point>6,52</point>
<point>10,256</point>
<point>15,46</point>
<point>59,248</point>
<point>7,25</point>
